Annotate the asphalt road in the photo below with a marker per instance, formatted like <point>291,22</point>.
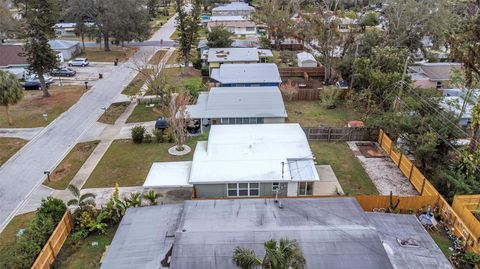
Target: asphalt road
<point>25,170</point>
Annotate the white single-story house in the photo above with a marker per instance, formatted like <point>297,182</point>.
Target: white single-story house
<point>454,101</point>
<point>218,56</point>
<point>246,75</point>
<point>305,59</point>
<point>433,75</point>
<point>233,9</point>
<point>237,25</point>
<point>68,49</point>
<point>65,29</point>
<point>258,160</point>
<point>238,105</point>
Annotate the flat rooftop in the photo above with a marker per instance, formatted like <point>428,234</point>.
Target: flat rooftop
<point>221,55</point>
<point>332,233</point>
<point>247,73</point>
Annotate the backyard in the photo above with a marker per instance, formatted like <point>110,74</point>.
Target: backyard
<point>68,168</point>
<point>350,173</point>
<point>313,114</point>
<point>128,164</point>
<point>8,147</point>
<point>30,111</point>
<point>97,54</point>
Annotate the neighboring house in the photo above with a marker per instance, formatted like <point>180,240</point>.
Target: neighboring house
<point>346,25</point>
<point>218,56</point>
<point>332,233</point>
<point>239,105</point>
<point>65,29</point>
<point>246,75</point>
<point>256,160</point>
<point>233,9</point>
<point>454,101</point>
<point>305,59</point>
<point>68,49</point>
<point>237,25</point>
<point>9,55</point>
<point>433,75</point>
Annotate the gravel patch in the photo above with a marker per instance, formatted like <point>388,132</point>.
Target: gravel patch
<point>385,175</point>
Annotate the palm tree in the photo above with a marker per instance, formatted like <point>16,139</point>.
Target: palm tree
<point>11,92</point>
<point>80,200</point>
<point>151,196</point>
<point>285,254</point>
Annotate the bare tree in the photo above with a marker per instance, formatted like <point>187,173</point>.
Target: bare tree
<point>178,117</point>
<point>289,90</point>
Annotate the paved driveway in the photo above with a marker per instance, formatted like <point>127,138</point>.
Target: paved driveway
<point>25,170</point>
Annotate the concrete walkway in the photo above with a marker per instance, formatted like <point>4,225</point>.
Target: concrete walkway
<point>23,133</point>
<point>106,134</point>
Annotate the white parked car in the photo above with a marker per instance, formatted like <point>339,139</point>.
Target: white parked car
<point>34,77</point>
<point>78,62</point>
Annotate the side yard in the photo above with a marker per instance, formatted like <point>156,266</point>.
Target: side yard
<point>8,235</point>
<point>8,147</point>
<point>128,164</point>
<point>30,111</point>
<point>348,169</point>
<point>312,114</point>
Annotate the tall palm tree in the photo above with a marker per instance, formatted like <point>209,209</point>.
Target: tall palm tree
<point>11,92</point>
<point>151,196</point>
<point>285,254</point>
<point>80,200</point>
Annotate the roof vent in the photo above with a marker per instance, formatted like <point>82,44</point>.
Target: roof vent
<point>410,242</point>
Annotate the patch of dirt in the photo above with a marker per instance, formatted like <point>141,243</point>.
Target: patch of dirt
<point>157,57</point>
<point>179,194</point>
<point>370,150</point>
<point>385,175</point>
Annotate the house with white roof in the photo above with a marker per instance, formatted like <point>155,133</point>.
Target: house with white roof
<point>246,75</point>
<point>461,103</point>
<point>238,105</point>
<point>67,48</point>
<point>218,56</point>
<point>237,25</point>
<point>305,59</point>
<point>259,160</point>
<point>433,75</point>
<point>233,9</point>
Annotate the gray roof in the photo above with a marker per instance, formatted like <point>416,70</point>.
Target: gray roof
<point>220,55</point>
<point>57,44</point>
<point>332,233</point>
<point>247,73</point>
<point>234,6</point>
<point>144,237</point>
<point>239,102</point>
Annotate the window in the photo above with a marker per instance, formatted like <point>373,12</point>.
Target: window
<point>243,189</point>
<point>231,120</point>
<point>260,120</point>
<point>238,121</point>
<point>250,29</point>
<point>439,85</point>
<point>305,188</point>
<point>275,186</point>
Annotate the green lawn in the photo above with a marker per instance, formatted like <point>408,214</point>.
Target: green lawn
<point>68,168</point>
<point>96,54</point>
<point>128,164</point>
<point>443,242</point>
<point>135,85</point>
<point>350,173</point>
<point>113,112</point>
<point>143,113</point>
<point>312,114</point>
<point>8,235</point>
<point>83,255</point>
<point>8,147</point>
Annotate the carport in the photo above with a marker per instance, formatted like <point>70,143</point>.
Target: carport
<point>169,175</point>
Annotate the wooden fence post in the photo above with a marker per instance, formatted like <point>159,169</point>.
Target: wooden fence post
<point>329,132</point>
<point>423,185</point>
<point>410,173</point>
<point>400,159</point>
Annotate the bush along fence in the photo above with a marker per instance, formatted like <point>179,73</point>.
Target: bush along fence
<point>55,242</point>
<point>341,134</point>
<point>461,227</point>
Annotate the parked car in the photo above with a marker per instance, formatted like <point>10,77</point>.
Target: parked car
<point>34,77</point>
<point>63,72</point>
<point>161,124</point>
<point>342,84</point>
<point>32,85</point>
<point>79,62</point>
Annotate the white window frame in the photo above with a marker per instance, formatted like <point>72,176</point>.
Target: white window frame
<point>249,189</point>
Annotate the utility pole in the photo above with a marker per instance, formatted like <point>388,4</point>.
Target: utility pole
<point>396,103</point>
<point>353,67</point>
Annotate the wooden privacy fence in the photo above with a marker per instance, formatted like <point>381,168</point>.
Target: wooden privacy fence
<point>464,205</point>
<point>371,202</point>
<point>457,224</point>
<point>301,71</point>
<point>340,134</point>
<point>55,242</point>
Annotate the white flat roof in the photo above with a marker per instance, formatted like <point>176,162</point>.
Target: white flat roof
<point>247,73</point>
<point>168,175</point>
<point>239,6</point>
<point>239,102</point>
<point>236,153</point>
<point>233,55</point>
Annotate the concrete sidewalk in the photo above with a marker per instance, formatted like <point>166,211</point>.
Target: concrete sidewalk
<point>23,133</point>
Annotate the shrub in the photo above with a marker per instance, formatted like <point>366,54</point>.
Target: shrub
<point>193,87</point>
<point>148,138</point>
<point>158,134</point>
<point>52,207</point>
<point>138,133</point>
<point>170,138</point>
<point>205,71</point>
<point>329,97</point>
<point>265,43</point>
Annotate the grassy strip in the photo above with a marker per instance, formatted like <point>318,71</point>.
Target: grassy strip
<point>128,163</point>
<point>96,54</point>
<point>348,169</point>
<point>68,168</point>
<point>135,85</point>
<point>113,112</point>
<point>8,147</point>
<point>9,234</point>
<point>29,112</point>
<point>155,60</point>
